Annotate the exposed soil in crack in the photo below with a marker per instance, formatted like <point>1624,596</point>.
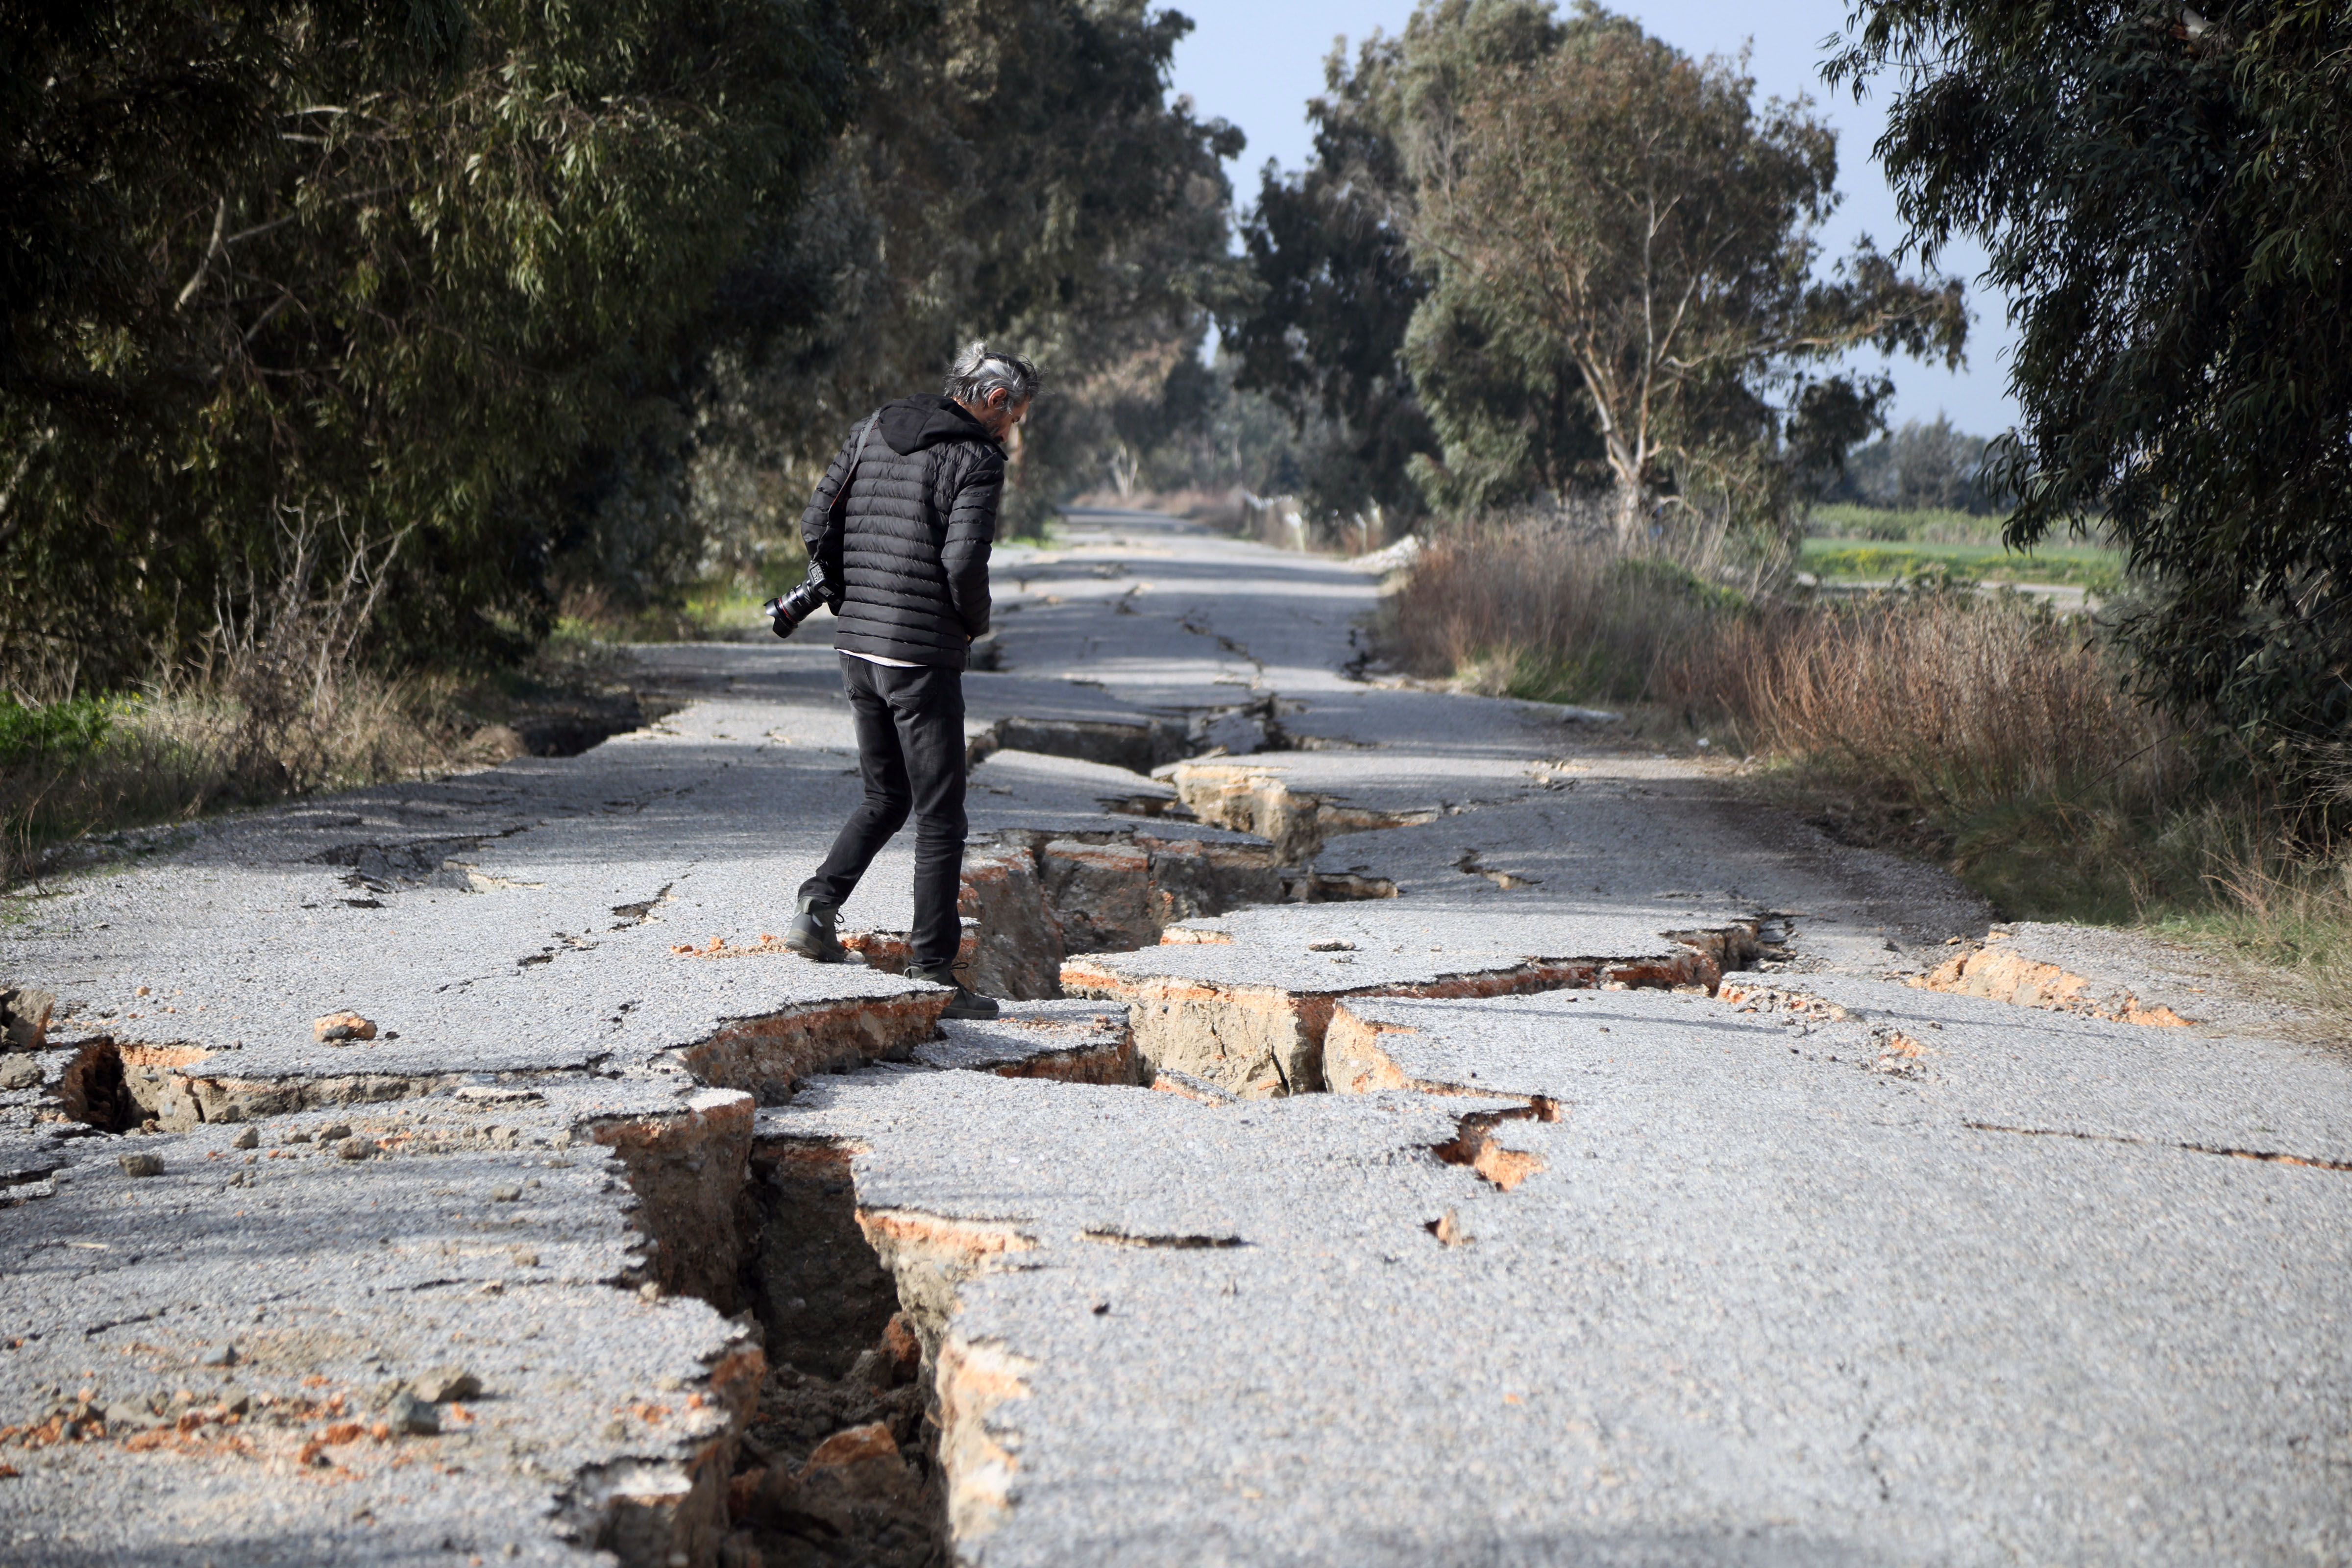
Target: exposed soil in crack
<point>1473,1144</point>
<point>1472,864</point>
<point>832,1458</point>
<point>1262,1040</point>
<point>840,1463</point>
<point>1260,801</point>
<point>1999,974</point>
<point>1032,899</point>
<point>1148,744</point>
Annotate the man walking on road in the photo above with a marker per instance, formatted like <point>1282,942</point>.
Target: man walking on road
<point>899,533</point>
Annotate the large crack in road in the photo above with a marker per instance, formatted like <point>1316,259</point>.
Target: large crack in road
<point>1421,1130</point>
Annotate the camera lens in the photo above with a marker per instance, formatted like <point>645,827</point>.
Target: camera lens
<point>787,611</point>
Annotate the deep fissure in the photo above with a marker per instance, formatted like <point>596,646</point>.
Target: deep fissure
<point>847,1452</point>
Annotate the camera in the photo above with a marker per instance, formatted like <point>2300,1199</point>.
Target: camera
<point>785,612</point>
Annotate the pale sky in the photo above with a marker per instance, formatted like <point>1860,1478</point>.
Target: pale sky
<point>1256,63</point>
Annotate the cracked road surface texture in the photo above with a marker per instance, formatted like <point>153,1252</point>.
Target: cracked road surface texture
<point>1431,1131</point>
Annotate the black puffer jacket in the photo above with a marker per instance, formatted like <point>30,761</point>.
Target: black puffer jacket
<point>907,571</point>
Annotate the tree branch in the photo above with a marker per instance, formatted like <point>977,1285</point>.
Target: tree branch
<point>212,249</point>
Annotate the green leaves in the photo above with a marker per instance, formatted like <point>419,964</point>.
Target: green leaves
<point>409,258</point>
<point>1019,173</point>
<point>1627,214</point>
<point>1538,255</point>
<point>2165,193</point>
<point>51,733</point>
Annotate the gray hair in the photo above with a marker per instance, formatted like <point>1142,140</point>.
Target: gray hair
<point>980,370</point>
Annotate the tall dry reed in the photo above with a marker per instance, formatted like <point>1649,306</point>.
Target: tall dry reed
<point>1550,612</point>
<point>1955,701</point>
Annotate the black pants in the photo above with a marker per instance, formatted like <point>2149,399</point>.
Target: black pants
<point>910,750</point>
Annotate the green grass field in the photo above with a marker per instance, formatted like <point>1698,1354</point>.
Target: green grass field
<point>1849,559</point>
<point>1925,525</point>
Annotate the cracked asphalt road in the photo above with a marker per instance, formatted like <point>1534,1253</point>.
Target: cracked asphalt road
<point>1822,1267</point>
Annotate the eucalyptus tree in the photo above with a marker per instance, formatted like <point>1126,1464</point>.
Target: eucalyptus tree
<point>2165,192</point>
<point>1628,215</point>
<point>1539,254</point>
<point>1022,173</point>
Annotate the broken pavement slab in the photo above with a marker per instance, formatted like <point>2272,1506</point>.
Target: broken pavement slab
<point>1702,1280</point>
<point>1246,1009</point>
<point>1074,1042</point>
<point>485,1233</point>
<point>1624,1274</point>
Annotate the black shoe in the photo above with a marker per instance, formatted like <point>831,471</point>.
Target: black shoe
<point>965,1004</point>
<point>812,935</point>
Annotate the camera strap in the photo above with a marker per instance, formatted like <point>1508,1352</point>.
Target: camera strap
<point>857,456</point>
<point>829,566</point>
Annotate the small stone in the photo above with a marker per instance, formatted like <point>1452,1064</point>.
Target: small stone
<point>124,1416</point>
<point>869,1442</point>
<point>246,1138</point>
<point>505,1193</point>
<point>20,1072</point>
<point>223,1355</point>
<point>140,1164</point>
<point>649,1290</point>
<point>526,1259</point>
<point>354,1149</point>
<point>900,1347</point>
<point>298,1137</point>
<point>444,1383</point>
<point>25,1017</point>
<point>341,1029</point>
<point>235,1399</point>
<point>413,1416</point>
<point>384,1393</point>
<point>334,1133</point>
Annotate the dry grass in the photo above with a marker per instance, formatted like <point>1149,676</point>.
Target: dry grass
<point>1547,612</point>
<point>1982,730</point>
<point>1954,701</point>
<point>2278,911</point>
<point>173,758</point>
<point>276,704</point>
<point>1951,700</point>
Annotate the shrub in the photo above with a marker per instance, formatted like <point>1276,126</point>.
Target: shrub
<point>1536,611</point>
<point>32,733</point>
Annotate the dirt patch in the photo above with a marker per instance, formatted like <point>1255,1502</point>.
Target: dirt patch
<point>1476,1145</point>
<point>2001,974</point>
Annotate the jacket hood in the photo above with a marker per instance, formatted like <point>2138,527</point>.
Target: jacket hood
<point>913,423</point>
